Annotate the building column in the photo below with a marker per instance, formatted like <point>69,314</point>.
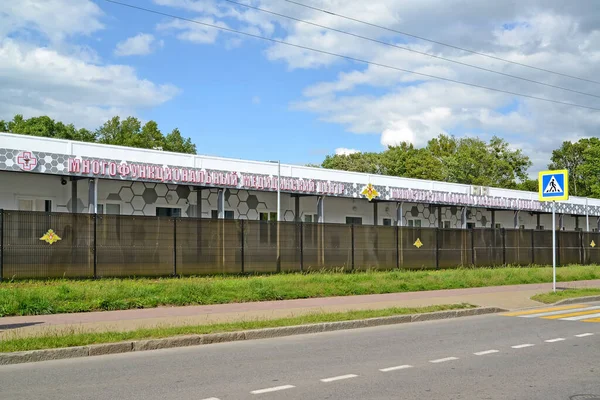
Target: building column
<point>320,209</point>
<point>598,224</point>
<point>463,218</point>
<point>399,214</point>
<point>375,212</point>
<point>297,216</point>
<point>74,195</point>
<point>516,219</point>
<point>577,222</point>
<point>221,204</point>
<point>538,221</point>
<point>321,233</point>
<point>439,217</point>
<point>196,210</point>
<point>561,221</point>
<point>93,196</point>
<point>493,212</point>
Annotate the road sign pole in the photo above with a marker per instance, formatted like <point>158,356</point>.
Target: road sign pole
<point>554,246</point>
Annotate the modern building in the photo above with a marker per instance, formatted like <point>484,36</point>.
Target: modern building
<point>41,174</point>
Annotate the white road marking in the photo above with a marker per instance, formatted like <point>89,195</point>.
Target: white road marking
<point>395,368</point>
<point>547,314</point>
<point>338,378</point>
<point>441,360</point>
<point>272,389</point>
<point>483,353</point>
<point>580,317</point>
<point>584,335</point>
<point>560,339</point>
<point>522,346</point>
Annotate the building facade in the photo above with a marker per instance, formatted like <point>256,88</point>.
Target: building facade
<point>49,175</point>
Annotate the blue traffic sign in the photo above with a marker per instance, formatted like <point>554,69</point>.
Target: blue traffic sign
<point>554,185</point>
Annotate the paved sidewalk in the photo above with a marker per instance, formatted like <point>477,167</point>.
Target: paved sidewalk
<point>507,297</point>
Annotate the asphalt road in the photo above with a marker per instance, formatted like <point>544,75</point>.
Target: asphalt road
<point>342,365</point>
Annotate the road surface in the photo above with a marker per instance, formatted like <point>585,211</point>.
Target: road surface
<point>526,356</point>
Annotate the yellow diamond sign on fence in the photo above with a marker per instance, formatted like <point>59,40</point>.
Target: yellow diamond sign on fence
<point>50,237</point>
<point>418,244</point>
<point>593,244</point>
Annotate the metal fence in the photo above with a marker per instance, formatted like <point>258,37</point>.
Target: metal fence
<point>87,245</point>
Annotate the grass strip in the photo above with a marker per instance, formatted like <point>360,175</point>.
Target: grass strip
<point>74,338</point>
<point>552,297</point>
<point>69,296</point>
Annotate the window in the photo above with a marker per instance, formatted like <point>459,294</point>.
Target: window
<point>267,232</point>
<point>387,222</point>
<point>414,223</point>
<point>113,209</point>
<point>498,226</point>
<point>214,214</point>
<point>541,227</point>
<point>446,224</point>
<point>522,227</point>
<point>470,225</point>
<point>168,212</point>
<point>25,205</point>
<point>354,220</point>
<point>309,218</point>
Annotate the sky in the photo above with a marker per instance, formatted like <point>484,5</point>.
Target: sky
<point>85,61</point>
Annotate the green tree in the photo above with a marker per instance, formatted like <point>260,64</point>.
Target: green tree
<point>126,132</point>
<point>371,163</point>
<point>175,142</point>
<point>572,157</point>
<point>445,158</point>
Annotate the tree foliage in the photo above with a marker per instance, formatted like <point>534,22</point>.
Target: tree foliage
<point>127,132</point>
<point>445,158</point>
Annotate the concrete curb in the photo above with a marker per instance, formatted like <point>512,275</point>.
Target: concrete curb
<point>586,299</point>
<point>195,340</point>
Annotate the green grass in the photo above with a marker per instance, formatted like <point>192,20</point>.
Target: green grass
<point>551,297</point>
<point>74,338</point>
<point>68,296</point>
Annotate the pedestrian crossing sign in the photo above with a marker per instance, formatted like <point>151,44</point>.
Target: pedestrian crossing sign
<point>554,185</point>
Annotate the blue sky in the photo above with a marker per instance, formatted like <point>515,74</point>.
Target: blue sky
<point>84,61</point>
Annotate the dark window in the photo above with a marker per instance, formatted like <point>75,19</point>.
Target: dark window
<point>470,225</point>
<point>268,229</point>
<point>387,222</point>
<point>48,205</point>
<point>446,224</point>
<point>354,220</point>
<point>214,214</point>
<point>168,212</point>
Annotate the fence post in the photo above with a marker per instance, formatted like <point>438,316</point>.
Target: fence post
<point>533,247</point>
<point>558,235</point>
<point>242,246</point>
<point>472,247</point>
<point>437,248</point>
<point>504,246</point>
<point>1,244</point>
<point>353,246</point>
<point>174,246</point>
<point>581,248</point>
<point>301,247</point>
<point>397,247</point>
<point>95,246</point>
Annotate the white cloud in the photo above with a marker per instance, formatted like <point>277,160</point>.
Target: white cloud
<point>138,45</point>
<point>401,106</point>
<point>342,151</point>
<point>45,71</point>
<point>256,100</point>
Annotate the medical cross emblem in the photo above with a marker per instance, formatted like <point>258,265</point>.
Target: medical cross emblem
<point>26,161</point>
